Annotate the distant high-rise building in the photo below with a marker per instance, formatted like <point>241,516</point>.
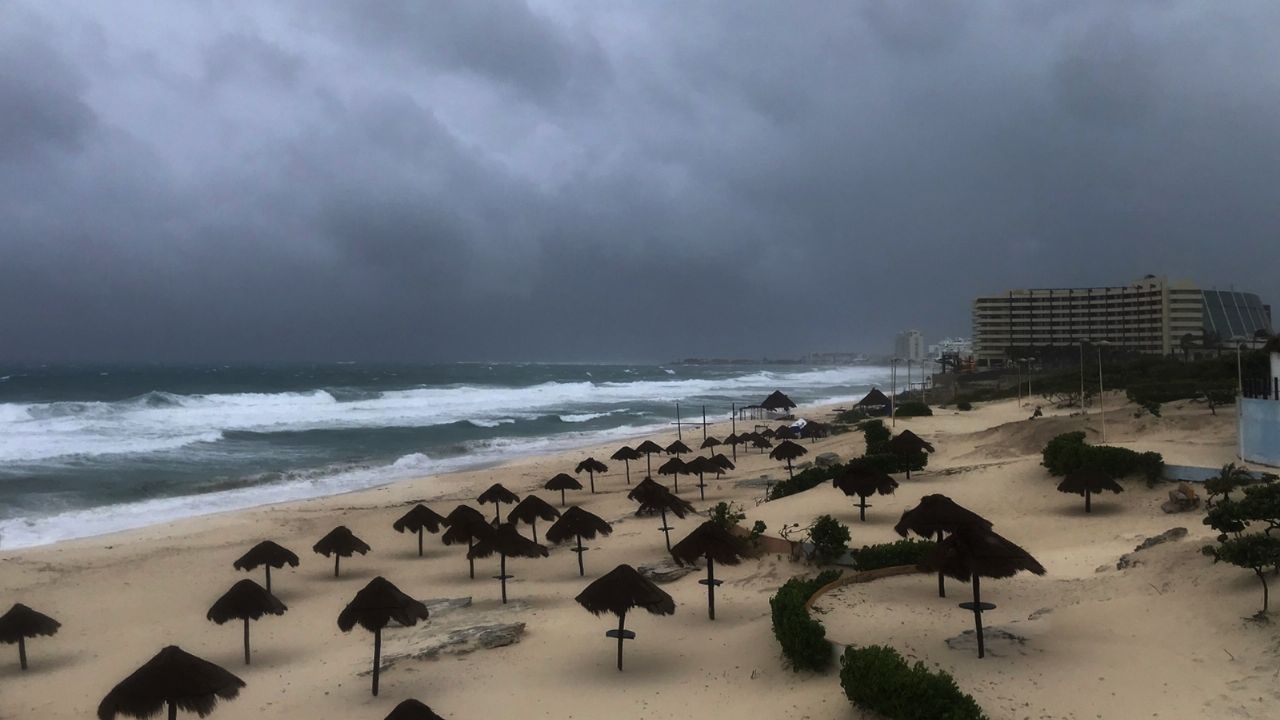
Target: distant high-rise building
<point>909,345</point>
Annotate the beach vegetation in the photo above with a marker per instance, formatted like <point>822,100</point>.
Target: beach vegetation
<point>830,539</point>
<point>882,555</point>
<point>1068,452</point>
<point>913,408</point>
<point>877,435</point>
<point>804,480</point>
<point>1258,509</point>
<point>1256,552</point>
<point>803,639</point>
<point>878,679</point>
<point>964,406</point>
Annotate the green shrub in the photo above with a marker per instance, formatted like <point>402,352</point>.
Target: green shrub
<point>914,408</point>
<point>851,416</point>
<point>878,679</point>
<point>804,480</point>
<point>877,435</point>
<point>903,552</point>
<point>1068,452</point>
<point>964,405</point>
<point>803,639</point>
<point>830,539</point>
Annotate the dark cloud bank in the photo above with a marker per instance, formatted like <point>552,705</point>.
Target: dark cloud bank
<point>496,180</point>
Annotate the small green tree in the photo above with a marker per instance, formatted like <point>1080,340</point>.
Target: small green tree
<point>1256,551</point>
<point>830,539</point>
<point>877,435</point>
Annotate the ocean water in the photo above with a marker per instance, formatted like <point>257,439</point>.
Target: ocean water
<point>91,450</point>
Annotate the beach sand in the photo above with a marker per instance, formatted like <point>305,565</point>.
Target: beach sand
<point>1168,638</point>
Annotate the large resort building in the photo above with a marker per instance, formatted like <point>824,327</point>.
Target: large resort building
<point>1152,315</point>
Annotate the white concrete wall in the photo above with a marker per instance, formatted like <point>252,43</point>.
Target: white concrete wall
<point>1260,431</point>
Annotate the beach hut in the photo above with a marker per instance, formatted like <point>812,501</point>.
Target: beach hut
<point>863,480</point>
<point>340,543</point>
<point>412,710</point>
<point>975,553</point>
<point>649,448</point>
<point>562,482</point>
<point>530,510</point>
<point>620,590</point>
<point>266,554</point>
<point>675,467</point>
<point>654,497</point>
<point>788,451</point>
<point>592,466</point>
<point>246,600</point>
<point>377,604</point>
<point>420,518</point>
<point>466,525</point>
<point>934,516</point>
<point>20,623</point>
<point>499,496</point>
<point>777,402</point>
<point>715,544</point>
<point>626,454</point>
<point>173,679</point>
<point>576,524</point>
<point>506,542</point>
<point>1088,482</point>
<point>874,403</point>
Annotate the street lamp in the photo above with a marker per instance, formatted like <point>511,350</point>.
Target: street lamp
<point>1239,340</point>
<point>1082,341</point>
<point>1028,360</point>
<point>1102,412</point>
<point>893,391</point>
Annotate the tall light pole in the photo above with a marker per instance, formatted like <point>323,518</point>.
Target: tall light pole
<point>893,391</point>
<point>1102,412</point>
<point>1028,360</point>
<point>1082,408</point>
<point>1239,340</point>
<point>908,377</point>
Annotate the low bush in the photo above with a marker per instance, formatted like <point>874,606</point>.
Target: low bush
<point>903,552</point>
<point>804,480</point>
<point>964,405</point>
<point>877,435</point>
<point>914,408</point>
<point>878,679</point>
<point>803,639</point>
<point>1068,452</point>
<point>830,539</point>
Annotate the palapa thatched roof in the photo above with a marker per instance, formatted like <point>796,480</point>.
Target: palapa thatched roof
<point>777,401</point>
<point>649,447</point>
<point>909,441</point>
<point>497,494</point>
<point>673,466</point>
<point>703,464</point>
<point>875,398</point>
<point>412,710</point>
<point>760,441</point>
<point>23,622</point>
<point>784,432</point>
<point>245,599</point>
<point>466,524</point>
<point>678,448</point>
<point>766,433</point>
<point>266,553</point>
<point>983,552</point>
<point>939,513</point>
<point>787,450</point>
<point>646,487</point>
<point>813,429</point>
<point>507,541</point>
<point>341,541</point>
<point>709,540</point>
<point>622,589</point>
<point>1095,481</point>
<point>563,481</point>
<point>655,497</point>
<point>378,603</point>
<point>420,517</point>
<point>710,442</point>
<point>172,676</point>
<point>724,462</point>
<point>591,465</point>
<point>532,508</point>
<point>577,522</point>
<point>626,452</point>
<point>863,480</point>
<point>732,439</point>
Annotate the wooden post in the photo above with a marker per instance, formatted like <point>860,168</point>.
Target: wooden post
<point>377,653</point>
<point>246,641</point>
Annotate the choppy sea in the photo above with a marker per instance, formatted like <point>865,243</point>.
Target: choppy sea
<point>90,450</point>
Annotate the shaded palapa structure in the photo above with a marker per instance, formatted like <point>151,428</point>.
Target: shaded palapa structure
<point>654,497</point>
<point>936,515</point>
<point>340,543</point>
<point>620,590</point>
<point>20,623</point>
<point>710,445</point>
<point>591,466</point>
<point>626,454</point>
<point>577,523</point>
<point>678,448</point>
<point>907,444</point>
<point>173,678</point>
<point>733,440</point>
<point>784,432</point>
<point>863,480</point>
<point>971,554</point>
<point>1088,482</point>
<point>531,509</point>
<point>874,403</point>
<point>760,442</point>
<point>788,451</point>
<point>499,496</point>
<point>649,448</point>
<point>815,431</point>
<point>246,600</point>
<point>699,466</point>
<point>562,482</point>
<point>268,554</point>
<point>420,518</point>
<point>377,604</point>
<point>715,544</point>
<point>466,525</point>
<point>725,463</point>
<point>675,467</point>
<point>506,542</point>
<point>777,402</point>
<point>412,710</point>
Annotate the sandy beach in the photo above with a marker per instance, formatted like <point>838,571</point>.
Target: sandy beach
<point>1167,638</point>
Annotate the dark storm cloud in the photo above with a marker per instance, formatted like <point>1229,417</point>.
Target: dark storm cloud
<point>511,180</point>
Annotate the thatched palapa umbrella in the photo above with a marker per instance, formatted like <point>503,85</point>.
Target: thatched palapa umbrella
<point>788,451</point>
<point>173,678</point>
<point>412,710</point>
<point>716,544</point>
<point>725,463</point>
<point>974,553</point>
<point>20,623</point>
<point>815,431</point>
<point>655,497</point>
<point>875,403</point>
<point>675,467</point>
<point>417,520</point>
<point>621,589</point>
<point>710,445</point>
<point>678,448</point>
<point>377,604</point>
<point>466,525</point>
<point>268,554</point>
<point>562,482</point>
<point>760,442</point>
<point>863,480</point>
<point>733,441</point>
<point>648,447</point>
<point>578,523</point>
<point>784,432</point>
<point>908,444</point>
<point>507,542</point>
<point>499,496</point>
<point>340,543</point>
<point>626,454</point>
<point>530,510</point>
<point>592,466</point>
<point>246,600</point>
<point>936,515</point>
<point>699,466</point>
<point>1088,482</point>
<point>777,402</point>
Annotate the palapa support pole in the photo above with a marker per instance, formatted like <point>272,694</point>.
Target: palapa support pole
<point>336,558</point>
<point>173,711</point>
<point>622,634</point>
<point>679,436</point>
<point>534,525</point>
<point>470,560</point>
<point>711,582</point>
<point>377,657</point>
<point>862,508</point>
<point>702,493</point>
<point>942,587</point>
<point>246,641</point>
<point>581,570</point>
<point>648,464</point>
<point>704,422</point>
<point>497,511</point>
<point>419,542</point>
<point>22,652</point>
<point>592,474</point>
<point>268,578</point>
<point>978,607</point>
<point>627,464</point>
<point>502,575</point>
<point>666,531</point>
<point>1087,505</point>
<point>562,497</point>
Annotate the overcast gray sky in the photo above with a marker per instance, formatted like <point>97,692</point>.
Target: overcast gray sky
<point>611,180</point>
